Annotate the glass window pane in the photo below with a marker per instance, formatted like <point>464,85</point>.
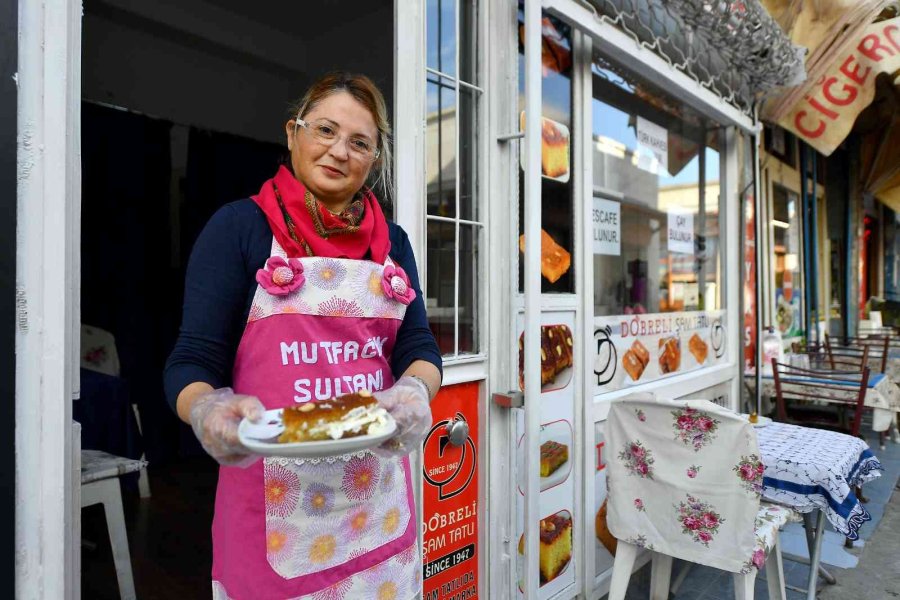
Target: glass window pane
<point>441,285</point>
<point>787,261</point>
<point>656,212</point>
<point>441,35</point>
<point>468,154</point>
<point>440,147</point>
<point>557,204</point>
<point>468,47</point>
<point>469,248</point>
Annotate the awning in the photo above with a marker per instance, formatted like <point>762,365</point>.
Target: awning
<point>847,52</point>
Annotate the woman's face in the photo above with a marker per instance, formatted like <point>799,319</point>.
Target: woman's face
<point>332,173</point>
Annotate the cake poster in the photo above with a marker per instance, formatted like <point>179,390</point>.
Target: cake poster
<point>604,542</point>
<point>554,149</point>
<point>556,520</point>
<point>634,349</point>
<point>450,498</point>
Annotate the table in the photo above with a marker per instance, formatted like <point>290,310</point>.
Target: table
<point>882,396</point>
<point>815,472</point>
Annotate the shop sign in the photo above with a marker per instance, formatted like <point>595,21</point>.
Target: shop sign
<point>749,283</point>
<point>450,498</point>
<point>654,139</point>
<point>635,349</point>
<point>680,236</point>
<point>607,225</point>
<point>825,115</point>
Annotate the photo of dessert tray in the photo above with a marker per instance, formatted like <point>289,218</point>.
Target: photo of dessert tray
<point>556,455</point>
<point>262,438</point>
<point>557,358</point>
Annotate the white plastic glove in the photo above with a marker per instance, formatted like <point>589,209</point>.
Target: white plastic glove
<point>215,418</point>
<point>408,403</point>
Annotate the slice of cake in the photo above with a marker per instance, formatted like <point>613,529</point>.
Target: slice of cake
<point>556,353</point>
<point>670,354</point>
<point>555,545</point>
<point>555,260</point>
<point>554,150</point>
<point>553,456</point>
<point>342,417</point>
<point>606,538</point>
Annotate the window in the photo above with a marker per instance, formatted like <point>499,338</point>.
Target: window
<point>557,197</point>
<point>656,200</point>
<point>787,260</point>
<point>454,225</point>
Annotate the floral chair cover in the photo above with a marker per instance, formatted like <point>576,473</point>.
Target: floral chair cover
<point>98,351</point>
<point>685,480</point>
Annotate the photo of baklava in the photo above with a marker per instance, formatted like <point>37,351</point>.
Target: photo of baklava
<point>555,552</point>
<point>698,348</point>
<point>555,260</point>
<point>635,360</point>
<point>669,354</point>
<point>553,456</point>
<point>556,354</point>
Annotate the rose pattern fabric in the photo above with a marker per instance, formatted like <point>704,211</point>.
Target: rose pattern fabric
<point>281,276</point>
<point>769,520</point>
<point>639,504</point>
<point>750,471</point>
<point>698,519</point>
<point>693,427</point>
<point>693,471</point>
<point>640,415</point>
<point>637,459</point>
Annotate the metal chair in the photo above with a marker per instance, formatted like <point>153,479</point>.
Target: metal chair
<point>799,394</point>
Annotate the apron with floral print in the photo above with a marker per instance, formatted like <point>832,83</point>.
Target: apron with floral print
<point>334,528</point>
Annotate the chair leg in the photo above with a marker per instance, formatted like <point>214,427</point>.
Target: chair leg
<point>144,483</point>
<point>118,537</point>
<point>626,554</point>
<point>743,585</point>
<point>775,572</point>
<point>660,576</point>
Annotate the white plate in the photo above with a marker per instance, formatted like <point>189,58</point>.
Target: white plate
<point>270,423</point>
<point>761,420</point>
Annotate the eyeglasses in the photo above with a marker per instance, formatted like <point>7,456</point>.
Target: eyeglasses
<point>327,134</point>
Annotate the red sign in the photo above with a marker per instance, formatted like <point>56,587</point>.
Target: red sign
<point>750,283</point>
<point>450,498</point>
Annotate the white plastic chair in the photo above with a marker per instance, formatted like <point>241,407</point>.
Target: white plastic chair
<point>684,481</point>
<point>99,353</point>
<point>100,474</point>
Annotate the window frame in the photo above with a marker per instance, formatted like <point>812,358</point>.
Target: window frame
<point>478,222</point>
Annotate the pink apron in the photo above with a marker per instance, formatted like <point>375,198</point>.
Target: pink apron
<point>337,528</point>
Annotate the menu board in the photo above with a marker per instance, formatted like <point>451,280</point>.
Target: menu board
<point>558,456</point>
<point>634,349</point>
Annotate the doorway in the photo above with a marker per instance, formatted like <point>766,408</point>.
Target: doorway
<point>182,111</point>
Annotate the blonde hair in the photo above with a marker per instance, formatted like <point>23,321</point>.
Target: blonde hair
<point>364,91</point>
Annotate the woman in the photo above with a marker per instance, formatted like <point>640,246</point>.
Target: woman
<point>306,292</point>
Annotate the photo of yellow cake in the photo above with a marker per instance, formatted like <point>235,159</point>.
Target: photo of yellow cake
<point>553,456</point>
<point>698,348</point>
<point>555,545</point>
<point>555,260</point>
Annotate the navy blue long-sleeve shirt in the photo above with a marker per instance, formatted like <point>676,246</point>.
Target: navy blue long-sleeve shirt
<point>219,287</point>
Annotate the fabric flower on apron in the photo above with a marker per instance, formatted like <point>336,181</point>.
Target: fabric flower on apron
<point>281,277</point>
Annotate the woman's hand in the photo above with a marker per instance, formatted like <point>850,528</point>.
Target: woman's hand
<point>408,403</point>
<point>215,417</point>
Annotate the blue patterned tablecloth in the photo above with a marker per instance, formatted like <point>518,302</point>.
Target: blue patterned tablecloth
<point>810,469</point>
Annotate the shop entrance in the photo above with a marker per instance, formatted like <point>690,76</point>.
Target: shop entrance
<point>182,111</point>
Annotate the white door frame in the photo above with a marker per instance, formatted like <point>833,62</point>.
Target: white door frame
<point>47,294</point>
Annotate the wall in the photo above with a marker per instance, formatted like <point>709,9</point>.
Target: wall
<point>8,123</point>
<point>214,67</point>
